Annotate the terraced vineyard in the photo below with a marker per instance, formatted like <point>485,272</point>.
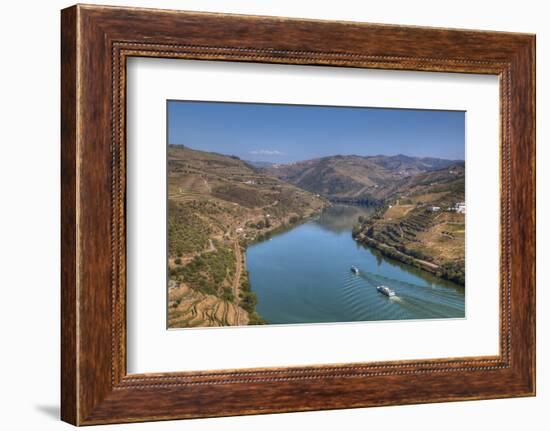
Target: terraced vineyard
<point>420,225</point>
<point>189,308</point>
<point>218,204</point>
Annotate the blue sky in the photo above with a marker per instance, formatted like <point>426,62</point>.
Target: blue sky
<point>290,133</point>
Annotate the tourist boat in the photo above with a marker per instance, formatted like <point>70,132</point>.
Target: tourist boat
<point>354,269</point>
<point>384,290</point>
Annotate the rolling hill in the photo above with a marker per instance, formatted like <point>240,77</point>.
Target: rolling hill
<point>359,178</point>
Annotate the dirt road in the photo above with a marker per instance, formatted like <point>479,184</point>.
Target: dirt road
<point>237,278</point>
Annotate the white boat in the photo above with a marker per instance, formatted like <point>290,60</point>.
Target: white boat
<point>354,269</point>
<point>385,290</point>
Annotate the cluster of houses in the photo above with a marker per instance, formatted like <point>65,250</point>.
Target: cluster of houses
<point>459,207</point>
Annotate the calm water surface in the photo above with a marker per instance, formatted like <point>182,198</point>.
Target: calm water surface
<point>303,276</point>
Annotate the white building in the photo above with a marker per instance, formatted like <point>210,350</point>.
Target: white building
<point>460,207</point>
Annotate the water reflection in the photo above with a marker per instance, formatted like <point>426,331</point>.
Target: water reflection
<point>341,218</point>
<point>303,276</point>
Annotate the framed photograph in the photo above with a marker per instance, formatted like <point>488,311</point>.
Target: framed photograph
<point>264,215</point>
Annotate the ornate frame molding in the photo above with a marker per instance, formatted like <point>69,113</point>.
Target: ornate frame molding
<point>96,41</point>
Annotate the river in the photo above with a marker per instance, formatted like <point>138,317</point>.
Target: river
<point>303,276</point>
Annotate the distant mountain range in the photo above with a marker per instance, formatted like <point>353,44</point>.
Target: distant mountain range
<point>364,177</point>
<point>260,165</point>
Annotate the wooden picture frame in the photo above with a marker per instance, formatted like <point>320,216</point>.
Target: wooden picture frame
<point>95,43</point>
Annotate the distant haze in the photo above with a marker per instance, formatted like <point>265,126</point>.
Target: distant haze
<point>290,133</point>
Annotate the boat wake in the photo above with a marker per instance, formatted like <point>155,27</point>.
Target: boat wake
<point>408,299</point>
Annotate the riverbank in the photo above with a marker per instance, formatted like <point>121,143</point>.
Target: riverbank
<point>393,253</point>
<point>413,234</point>
<point>285,225</point>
